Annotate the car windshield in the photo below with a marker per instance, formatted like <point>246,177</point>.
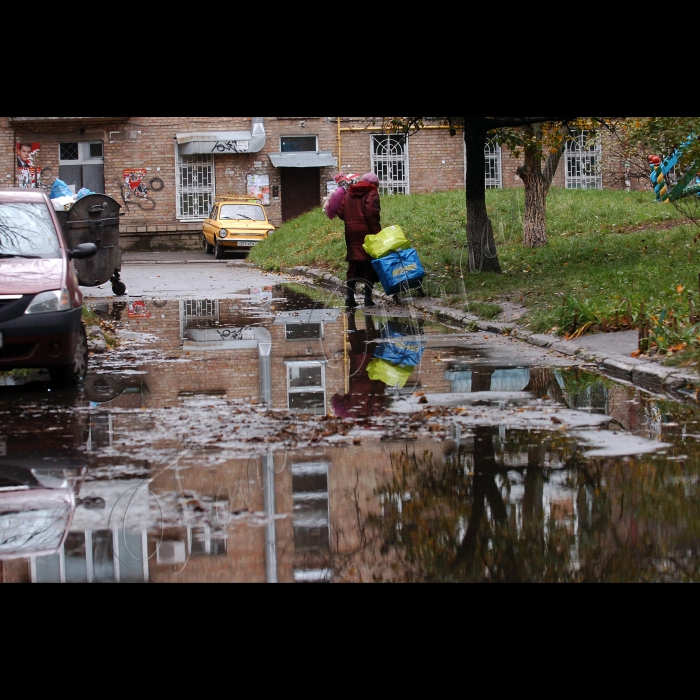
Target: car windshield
<point>236,212</point>
<point>27,231</point>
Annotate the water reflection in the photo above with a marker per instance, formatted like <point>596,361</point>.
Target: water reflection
<point>489,504</point>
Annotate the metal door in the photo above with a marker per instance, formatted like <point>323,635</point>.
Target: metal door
<point>301,191</point>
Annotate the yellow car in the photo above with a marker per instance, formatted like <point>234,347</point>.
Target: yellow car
<point>235,226</point>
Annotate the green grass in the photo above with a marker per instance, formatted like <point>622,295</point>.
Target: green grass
<point>483,310</point>
<point>598,256</point>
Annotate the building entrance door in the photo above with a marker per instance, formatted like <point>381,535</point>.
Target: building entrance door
<point>301,191</point>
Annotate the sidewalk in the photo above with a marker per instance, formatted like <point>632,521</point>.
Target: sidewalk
<point>610,352</point>
<point>184,258</point>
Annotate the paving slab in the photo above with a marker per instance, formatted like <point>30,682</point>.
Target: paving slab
<point>624,343</point>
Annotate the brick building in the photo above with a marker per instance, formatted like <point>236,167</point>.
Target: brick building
<point>167,170</point>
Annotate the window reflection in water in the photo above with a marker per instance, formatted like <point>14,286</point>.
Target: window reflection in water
<point>312,533</point>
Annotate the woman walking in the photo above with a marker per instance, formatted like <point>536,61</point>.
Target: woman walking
<point>361,210</point>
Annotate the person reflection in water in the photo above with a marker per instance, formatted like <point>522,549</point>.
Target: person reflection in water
<point>366,397</point>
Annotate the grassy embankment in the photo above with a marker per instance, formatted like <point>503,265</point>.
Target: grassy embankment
<point>606,248</point>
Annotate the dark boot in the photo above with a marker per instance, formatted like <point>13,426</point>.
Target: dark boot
<point>350,302</point>
<point>369,301</point>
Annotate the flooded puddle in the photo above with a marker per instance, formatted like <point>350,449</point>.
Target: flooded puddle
<point>279,439</point>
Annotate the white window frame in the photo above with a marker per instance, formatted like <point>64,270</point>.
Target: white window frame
<point>583,162</point>
<point>89,563</point>
<point>317,468</point>
<point>181,162</point>
<point>494,166</point>
<point>83,154</point>
<point>306,389</point>
<point>388,185</point>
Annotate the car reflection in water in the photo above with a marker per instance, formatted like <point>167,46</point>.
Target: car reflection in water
<point>36,507</point>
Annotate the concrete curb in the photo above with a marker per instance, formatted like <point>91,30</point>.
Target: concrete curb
<point>228,263</point>
<point>642,373</point>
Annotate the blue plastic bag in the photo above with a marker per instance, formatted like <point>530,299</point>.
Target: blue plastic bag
<point>400,269</point>
<point>401,349</point>
<point>406,353</point>
<point>84,193</point>
<point>60,189</point>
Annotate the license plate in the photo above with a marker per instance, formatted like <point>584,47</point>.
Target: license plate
<point>3,448</point>
<point>247,244</point>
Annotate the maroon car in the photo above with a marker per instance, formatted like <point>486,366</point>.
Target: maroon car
<point>41,304</point>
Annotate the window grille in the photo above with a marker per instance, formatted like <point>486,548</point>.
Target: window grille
<point>494,171</point>
<point>583,160</point>
<point>69,151</point>
<point>494,165</point>
<point>194,311</point>
<point>390,163</point>
<point>196,191</point>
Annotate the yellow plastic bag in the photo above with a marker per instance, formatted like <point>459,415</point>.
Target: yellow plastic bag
<point>391,375</point>
<point>386,241</point>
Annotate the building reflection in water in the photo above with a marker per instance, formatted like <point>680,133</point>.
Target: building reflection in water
<point>489,504</point>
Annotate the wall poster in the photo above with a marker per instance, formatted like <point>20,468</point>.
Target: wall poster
<point>259,187</point>
<point>28,174</point>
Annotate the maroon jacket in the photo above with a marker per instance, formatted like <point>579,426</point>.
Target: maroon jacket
<point>361,211</point>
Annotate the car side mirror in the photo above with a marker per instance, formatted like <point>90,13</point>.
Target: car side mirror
<point>83,251</point>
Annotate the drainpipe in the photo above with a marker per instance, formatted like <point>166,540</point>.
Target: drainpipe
<point>264,338</point>
<point>271,568</point>
<point>257,131</point>
<point>340,147</point>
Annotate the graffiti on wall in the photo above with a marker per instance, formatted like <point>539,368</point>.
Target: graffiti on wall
<point>231,147</point>
<point>135,189</point>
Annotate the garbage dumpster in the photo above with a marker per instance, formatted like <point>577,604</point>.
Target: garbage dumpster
<point>95,219</point>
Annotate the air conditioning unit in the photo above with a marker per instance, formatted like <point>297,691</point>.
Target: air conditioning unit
<point>172,553</point>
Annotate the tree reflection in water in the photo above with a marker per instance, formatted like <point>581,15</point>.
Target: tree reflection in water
<point>469,517</point>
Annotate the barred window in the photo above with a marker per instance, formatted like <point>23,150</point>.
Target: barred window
<point>583,162</point>
<point>494,165</point>
<point>390,163</point>
<point>494,172</point>
<point>196,189</point>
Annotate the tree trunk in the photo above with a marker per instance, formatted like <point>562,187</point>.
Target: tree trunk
<point>538,181</point>
<point>483,255</point>
<point>482,378</point>
<point>535,228</point>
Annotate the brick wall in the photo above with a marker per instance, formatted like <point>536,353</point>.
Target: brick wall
<point>436,161</point>
<point>7,153</point>
<point>17,571</point>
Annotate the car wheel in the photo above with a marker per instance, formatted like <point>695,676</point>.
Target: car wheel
<point>219,251</point>
<point>76,372</point>
<point>208,248</point>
